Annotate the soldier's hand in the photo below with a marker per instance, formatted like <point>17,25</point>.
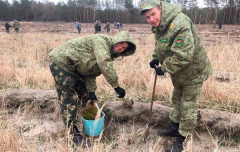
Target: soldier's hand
<point>153,63</point>
<point>92,97</point>
<point>120,91</point>
<point>159,71</point>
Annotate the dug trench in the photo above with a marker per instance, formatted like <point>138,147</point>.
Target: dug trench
<point>124,127</point>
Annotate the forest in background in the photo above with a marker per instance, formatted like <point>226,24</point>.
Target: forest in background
<point>88,11</point>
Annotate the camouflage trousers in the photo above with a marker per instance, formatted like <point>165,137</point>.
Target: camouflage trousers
<point>16,30</point>
<point>71,93</point>
<point>79,31</point>
<point>96,29</point>
<point>185,100</point>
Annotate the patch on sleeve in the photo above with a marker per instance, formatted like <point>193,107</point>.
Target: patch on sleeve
<point>172,26</point>
<point>179,42</point>
<point>164,40</point>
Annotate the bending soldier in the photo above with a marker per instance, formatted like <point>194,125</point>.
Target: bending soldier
<point>75,66</point>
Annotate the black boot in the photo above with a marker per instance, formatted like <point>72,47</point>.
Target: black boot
<point>78,139</point>
<point>171,132</point>
<point>177,146</point>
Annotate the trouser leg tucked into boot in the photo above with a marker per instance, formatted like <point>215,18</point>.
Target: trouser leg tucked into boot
<point>177,146</point>
<point>78,139</point>
<point>170,132</point>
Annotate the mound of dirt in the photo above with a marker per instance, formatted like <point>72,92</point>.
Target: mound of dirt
<point>119,120</point>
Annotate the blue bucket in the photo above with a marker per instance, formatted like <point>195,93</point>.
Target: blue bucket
<point>90,129</point>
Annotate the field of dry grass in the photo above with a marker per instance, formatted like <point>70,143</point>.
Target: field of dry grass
<point>24,63</point>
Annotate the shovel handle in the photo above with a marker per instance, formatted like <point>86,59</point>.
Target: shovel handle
<point>153,94</point>
<point>150,112</point>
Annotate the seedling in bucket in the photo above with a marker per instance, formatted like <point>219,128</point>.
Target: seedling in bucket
<point>93,120</point>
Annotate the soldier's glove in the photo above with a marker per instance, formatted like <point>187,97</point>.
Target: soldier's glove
<point>120,91</point>
<point>92,97</point>
<point>159,71</point>
<point>153,63</point>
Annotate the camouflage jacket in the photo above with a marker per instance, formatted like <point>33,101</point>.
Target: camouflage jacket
<point>95,24</point>
<point>107,26</point>
<point>16,24</point>
<point>91,56</point>
<point>179,49</point>
<point>99,23</point>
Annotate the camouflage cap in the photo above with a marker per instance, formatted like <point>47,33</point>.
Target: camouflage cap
<point>148,4</point>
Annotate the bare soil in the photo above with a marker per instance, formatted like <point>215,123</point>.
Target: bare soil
<point>39,121</point>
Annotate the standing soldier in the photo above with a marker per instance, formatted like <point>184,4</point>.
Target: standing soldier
<point>107,27</point>
<point>75,66</point>
<point>16,25</point>
<point>99,26</point>
<point>214,24</point>
<point>118,24</point>
<point>96,26</point>
<point>115,25</point>
<point>7,26</point>
<point>121,26</point>
<point>179,50</point>
<point>79,27</point>
<point>219,25</point>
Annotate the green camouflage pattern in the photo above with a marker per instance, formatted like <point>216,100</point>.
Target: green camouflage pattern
<point>214,24</point>
<point>99,23</point>
<point>16,24</point>
<point>148,4</point>
<point>91,56</point>
<point>95,26</point>
<point>179,49</point>
<point>185,100</point>
<point>108,26</point>
<point>187,60</point>
<point>76,64</point>
<point>71,93</point>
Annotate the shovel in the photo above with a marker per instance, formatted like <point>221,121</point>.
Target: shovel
<point>150,112</point>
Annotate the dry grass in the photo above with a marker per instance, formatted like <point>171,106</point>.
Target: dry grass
<point>12,139</point>
<point>24,63</point>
